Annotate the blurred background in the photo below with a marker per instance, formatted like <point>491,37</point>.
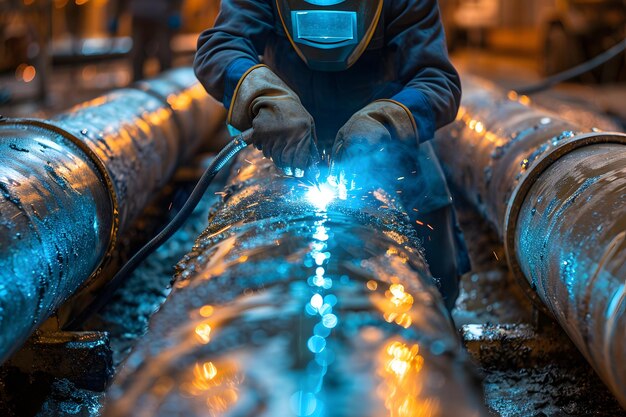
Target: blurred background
<point>54,53</point>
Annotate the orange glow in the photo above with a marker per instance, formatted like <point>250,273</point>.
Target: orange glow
<point>400,367</point>
<point>203,333</point>
<point>401,303</point>
<point>399,296</point>
<point>29,74</point>
<point>217,385</point>
<point>396,305</point>
<point>179,101</point>
<point>203,374</point>
<point>372,285</point>
<point>512,95</point>
<point>396,237</point>
<point>206,311</point>
<point>25,73</point>
<point>461,113</point>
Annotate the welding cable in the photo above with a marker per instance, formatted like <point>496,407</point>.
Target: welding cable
<point>221,160</point>
<point>574,72</point>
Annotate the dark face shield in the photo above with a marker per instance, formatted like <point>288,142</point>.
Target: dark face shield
<point>330,35</point>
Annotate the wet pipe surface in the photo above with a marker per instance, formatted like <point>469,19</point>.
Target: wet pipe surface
<point>555,191</point>
<point>293,306</point>
<point>70,185</point>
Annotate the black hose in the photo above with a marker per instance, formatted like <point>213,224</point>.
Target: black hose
<point>575,71</point>
<point>222,159</point>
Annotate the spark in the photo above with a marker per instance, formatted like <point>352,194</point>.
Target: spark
<point>322,195</point>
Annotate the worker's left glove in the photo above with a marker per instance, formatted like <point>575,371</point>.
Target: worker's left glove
<point>378,142</point>
<point>282,128</point>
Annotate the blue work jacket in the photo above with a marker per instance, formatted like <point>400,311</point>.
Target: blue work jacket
<point>406,61</point>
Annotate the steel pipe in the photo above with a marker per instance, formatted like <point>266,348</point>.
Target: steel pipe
<point>289,306</point>
<point>69,185</point>
<point>556,192</point>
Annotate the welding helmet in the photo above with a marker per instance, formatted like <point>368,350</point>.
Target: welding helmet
<point>329,35</point>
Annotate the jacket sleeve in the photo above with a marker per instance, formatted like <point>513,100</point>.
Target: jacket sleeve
<point>229,49</point>
<point>417,44</point>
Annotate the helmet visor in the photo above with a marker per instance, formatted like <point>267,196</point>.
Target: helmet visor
<point>329,35</point>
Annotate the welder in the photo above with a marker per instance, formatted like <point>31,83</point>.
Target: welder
<point>363,82</point>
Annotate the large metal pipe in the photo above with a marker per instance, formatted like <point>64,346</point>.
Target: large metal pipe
<point>69,185</point>
<point>288,307</point>
<point>556,192</point>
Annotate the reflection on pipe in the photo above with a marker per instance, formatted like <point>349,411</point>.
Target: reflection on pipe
<point>69,185</point>
<point>556,192</point>
<point>287,308</point>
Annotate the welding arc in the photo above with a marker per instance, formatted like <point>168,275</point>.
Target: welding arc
<point>221,160</point>
<point>574,72</point>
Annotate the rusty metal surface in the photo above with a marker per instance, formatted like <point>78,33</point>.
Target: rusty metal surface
<point>72,184</point>
<point>288,308</point>
<point>555,193</point>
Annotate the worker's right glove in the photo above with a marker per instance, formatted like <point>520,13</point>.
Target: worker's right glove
<point>283,129</point>
<point>379,143</point>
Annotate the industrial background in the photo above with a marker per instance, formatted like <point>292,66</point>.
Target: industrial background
<point>539,183</point>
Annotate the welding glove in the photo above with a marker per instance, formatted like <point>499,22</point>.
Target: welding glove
<point>382,137</point>
<point>283,129</point>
